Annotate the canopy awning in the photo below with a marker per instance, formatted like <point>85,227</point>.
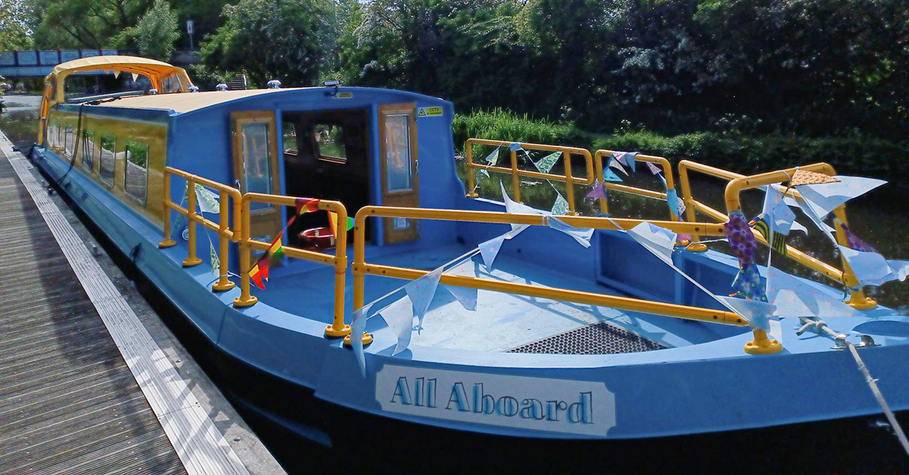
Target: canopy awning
<point>156,71</point>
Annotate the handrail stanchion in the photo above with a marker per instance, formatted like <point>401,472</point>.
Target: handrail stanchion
<point>515,178</point>
<point>223,283</point>
<point>857,298</point>
<point>569,184</point>
<point>167,241</point>
<point>191,218</point>
<point>471,183</point>
<point>338,329</point>
<point>359,270</point>
<point>598,164</point>
<point>245,299</point>
<point>690,211</point>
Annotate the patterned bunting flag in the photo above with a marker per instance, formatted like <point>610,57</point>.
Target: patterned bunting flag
<point>207,200</point>
<point>683,236</point>
<point>306,205</point>
<point>626,158</point>
<point>215,260</point>
<point>657,240</point>
<point>560,206</point>
<point>797,298</point>
<point>598,191</point>
<point>854,241</point>
<point>672,199</point>
<point>421,292</point>
<point>493,157</point>
<point>610,175</point>
<point>613,163</point>
<point>333,221</point>
<point>581,235</point>
<point>259,271</point>
<point>741,239</point>
<point>779,239</point>
<point>546,163</point>
<point>776,213</point>
<point>747,283</point>
<point>653,168</point>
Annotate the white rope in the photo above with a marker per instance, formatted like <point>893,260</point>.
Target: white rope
<point>898,431</point>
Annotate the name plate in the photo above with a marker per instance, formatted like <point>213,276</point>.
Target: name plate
<point>556,405</point>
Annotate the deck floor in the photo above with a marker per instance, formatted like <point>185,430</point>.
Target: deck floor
<point>68,402</point>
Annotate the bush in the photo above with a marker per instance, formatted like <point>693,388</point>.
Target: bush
<point>499,124</point>
<point>853,154</point>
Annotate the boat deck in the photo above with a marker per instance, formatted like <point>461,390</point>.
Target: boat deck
<point>77,394</point>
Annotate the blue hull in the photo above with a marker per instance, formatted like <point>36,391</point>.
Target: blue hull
<point>695,389</point>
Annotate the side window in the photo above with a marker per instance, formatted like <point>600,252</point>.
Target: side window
<point>88,150</point>
<point>329,143</point>
<point>51,133</point>
<point>108,150</point>
<point>255,158</point>
<point>136,175</point>
<point>397,146</point>
<point>70,142</point>
<point>290,138</point>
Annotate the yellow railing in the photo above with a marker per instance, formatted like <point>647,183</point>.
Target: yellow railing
<point>361,268</point>
<point>662,162</point>
<point>338,261</point>
<point>737,183</point>
<point>222,227</point>
<point>516,173</point>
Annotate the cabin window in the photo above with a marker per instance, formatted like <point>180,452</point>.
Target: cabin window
<point>329,143</point>
<point>290,138</point>
<point>51,132</point>
<point>108,150</point>
<point>397,146</point>
<point>255,158</point>
<point>88,150</point>
<point>173,83</point>
<point>136,175</point>
<point>70,141</point>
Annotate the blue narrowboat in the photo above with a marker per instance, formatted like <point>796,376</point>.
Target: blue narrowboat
<point>322,237</point>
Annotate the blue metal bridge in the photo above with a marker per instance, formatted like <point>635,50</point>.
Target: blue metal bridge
<point>39,63</point>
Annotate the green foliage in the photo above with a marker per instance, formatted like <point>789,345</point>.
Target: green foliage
<point>498,124</point>
<point>851,154</point>
<point>155,33</point>
<point>288,40</point>
<point>83,23</point>
<point>13,28</point>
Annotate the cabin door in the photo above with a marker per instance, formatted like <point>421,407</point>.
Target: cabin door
<point>255,150</point>
<point>400,173</point>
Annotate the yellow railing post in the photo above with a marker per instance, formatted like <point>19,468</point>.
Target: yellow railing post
<point>165,209</point>
<point>471,183</point>
<point>191,218</point>
<point>569,184</point>
<point>338,328</point>
<point>857,298</point>
<point>223,282</point>
<point>515,178</point>
<point>598,163</point>
<point>245,299</point>
<point>690,211</point>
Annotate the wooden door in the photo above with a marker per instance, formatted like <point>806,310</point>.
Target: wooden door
<point>255,150</point>
<point>399,167</point>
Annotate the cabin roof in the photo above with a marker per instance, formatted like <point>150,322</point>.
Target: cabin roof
<point>188,102</point>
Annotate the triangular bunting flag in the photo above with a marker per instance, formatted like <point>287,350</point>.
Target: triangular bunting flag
<point>870,268</point>
<point>357,327</point>
<point>626,158</point>
<point>399,317</point>
<point>854,241</point>
<point>466,296</point>
<point>581,235</point>
<point>776,213</point>
<point>135,77</point>
<point>259,271</point>
<point>779,239</point>
<point>546,163</point>
<point>306,205</point>
<point>598,191</point>
<point>672,199</point>
<point>560,206</point>
<point>421,292</point>
<point>213,256</point>
<point>620,156</point>
<point>490,249</point>
<point>826,197</point>
<point>747,284</point>
<point>794,297</point>
<point>659,241</point>
<point>804,177</point>
<point>741,239</point>
<point>514,147</point>
<point>493,157</point>
<point>610,175</point>
<point>683,236</point>
<point>207,200</point>
<point>333,221</point>
<point>653,168</point>
<point>613,163</point>
<point>758,314</point>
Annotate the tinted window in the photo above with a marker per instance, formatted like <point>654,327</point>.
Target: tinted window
<point>88,150</point>
<point>397,152</point>
<point>135,177</point>
<point>108,149</point>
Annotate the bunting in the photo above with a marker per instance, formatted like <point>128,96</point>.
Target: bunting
<point>581,235</point>
<point>466,296</point>
<point>493,158</point>
<point>672,199</point>
<point>655,170</point>
<point>207,200</point>
<point>613,163</point>
<point>657,240</point>
<point>598,191</point>
<point>854,241</point>
<point>747,284</point>
<point>776,214</point>
<point>546,163</point>
<point>306,205</point>
<point>399,317</point>
<point>626,158</point>
<point>333,221</point>
<point>421,292</point>
<point>560,206</point>
<point>795,298</point>
<point>827,196</point>
<point>779,239</point>
<point>609,175</point>
<point>357,328</point>
<point>213,256</point>
<point>259,271</point>
<point>757,313</point>
<point>683,236</point>
<point>490,249</point>
<point>741,239</point>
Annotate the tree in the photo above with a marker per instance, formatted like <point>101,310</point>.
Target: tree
<point>83,23</point>
<point>156,32</point>
<point>13,28</point>
<point>289,40</point>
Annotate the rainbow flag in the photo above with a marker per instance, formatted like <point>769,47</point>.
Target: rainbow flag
<point>333,221</point>
<point>306,205</point>
<point>259,271</point>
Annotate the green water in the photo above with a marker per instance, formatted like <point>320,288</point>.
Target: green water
<point>881,217</point>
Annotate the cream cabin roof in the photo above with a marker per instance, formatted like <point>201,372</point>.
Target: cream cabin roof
<point>188,101</point>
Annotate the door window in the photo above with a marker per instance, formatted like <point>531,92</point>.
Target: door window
<point>397,153</point>
<point>257,175</point>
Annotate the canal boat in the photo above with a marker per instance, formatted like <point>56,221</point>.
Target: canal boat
<point>322,237</point>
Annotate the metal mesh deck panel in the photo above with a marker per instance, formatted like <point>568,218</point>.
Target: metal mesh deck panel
<point>597,339</point>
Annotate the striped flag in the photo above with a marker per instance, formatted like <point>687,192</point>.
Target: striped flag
<point>779,239</point>
<point>333,221</point>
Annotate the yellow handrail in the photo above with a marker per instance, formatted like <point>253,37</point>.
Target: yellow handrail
<point>667,172</point>
<point>361,268</point>
<point>339,260</point>
<point>516,173</point>
<point>222,227</point>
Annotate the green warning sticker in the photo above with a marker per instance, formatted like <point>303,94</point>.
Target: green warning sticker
<point>430,112</point>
